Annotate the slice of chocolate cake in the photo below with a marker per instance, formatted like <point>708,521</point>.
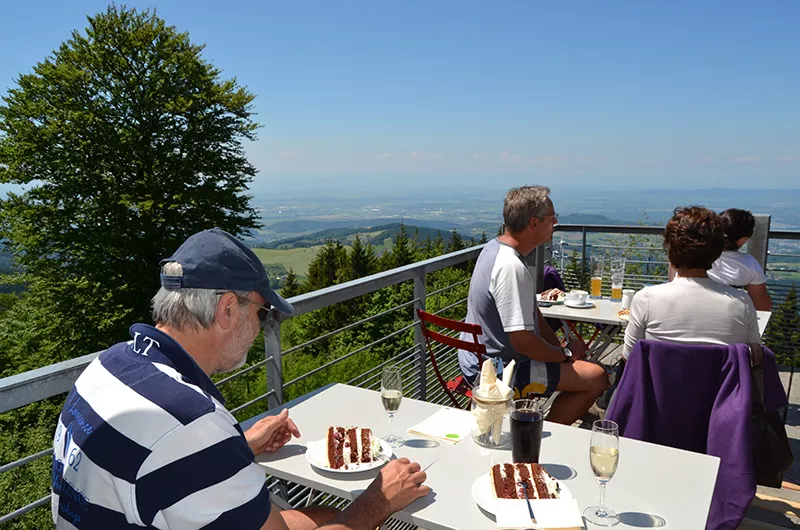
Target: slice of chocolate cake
<point>506,479</point>
<point>348,447</point>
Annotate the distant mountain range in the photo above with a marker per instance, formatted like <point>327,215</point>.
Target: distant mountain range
<point>298,226</point>
<point>378,236</point>
<point>313,232</point>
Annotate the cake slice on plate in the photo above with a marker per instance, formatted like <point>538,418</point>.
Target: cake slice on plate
<point>505,479</point>
<point>349,447</point>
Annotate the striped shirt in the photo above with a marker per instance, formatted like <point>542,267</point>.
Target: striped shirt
<point>144,440</point>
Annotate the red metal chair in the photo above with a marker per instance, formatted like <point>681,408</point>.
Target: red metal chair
<point>459,385</point>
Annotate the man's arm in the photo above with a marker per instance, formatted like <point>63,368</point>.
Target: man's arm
<point>760,296</point>
<point>546,332</point>
<point>397,485</point>
<point>529,345</point>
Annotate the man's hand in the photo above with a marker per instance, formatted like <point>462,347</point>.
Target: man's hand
<point>397,485</point>
<point>271,433</point>
<point>578,349</point>
<point>400,483</point>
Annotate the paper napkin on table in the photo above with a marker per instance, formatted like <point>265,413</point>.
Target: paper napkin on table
<point>555,514</point>
<point>446,425</point>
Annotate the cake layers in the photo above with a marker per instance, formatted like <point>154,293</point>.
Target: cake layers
<point>506,479</point>
<point>348,446</point>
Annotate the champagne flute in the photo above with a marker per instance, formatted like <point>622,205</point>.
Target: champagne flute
<point>603,456</point>
<point>391,396</point>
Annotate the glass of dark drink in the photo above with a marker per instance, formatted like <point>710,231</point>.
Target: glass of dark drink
<point>527,421</point>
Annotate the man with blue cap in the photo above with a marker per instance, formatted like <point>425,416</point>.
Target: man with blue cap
<point>144,438</point>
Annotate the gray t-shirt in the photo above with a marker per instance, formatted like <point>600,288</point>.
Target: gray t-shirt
<point>501,299</point>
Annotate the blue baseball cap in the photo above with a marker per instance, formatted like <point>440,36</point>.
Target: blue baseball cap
<point>214,259</point>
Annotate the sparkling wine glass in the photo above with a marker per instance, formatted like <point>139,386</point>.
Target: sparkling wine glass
<point>391,396</point>
<point>603,457</point>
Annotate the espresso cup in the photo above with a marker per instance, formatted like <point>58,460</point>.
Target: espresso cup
<point>577,296</point>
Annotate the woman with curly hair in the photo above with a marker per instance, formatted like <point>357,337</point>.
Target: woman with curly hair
<point>692,308</point>
<point>737,268</point>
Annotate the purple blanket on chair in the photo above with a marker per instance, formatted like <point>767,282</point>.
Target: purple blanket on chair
<point>698,398</point>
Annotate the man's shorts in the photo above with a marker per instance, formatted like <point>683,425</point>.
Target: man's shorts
<point>534,377</point>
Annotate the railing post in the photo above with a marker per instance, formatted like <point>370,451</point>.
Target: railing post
<point>759,242</point>
<point>583,251</point>
<point>538,268</point>
<point>272,352</point>
<point>419,340</point>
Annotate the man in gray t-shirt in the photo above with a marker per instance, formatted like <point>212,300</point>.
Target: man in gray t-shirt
<point>502,301</point>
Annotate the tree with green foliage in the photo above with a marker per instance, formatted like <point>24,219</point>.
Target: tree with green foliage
<point>291,285</point>
<point>439,247</point>
<point>402,252</point>
<point>327,267</point>
<point>360,260</point>
<point>125,141</point>
<point>783,331</point>
<point>456,241</point>
<point>483,239</point>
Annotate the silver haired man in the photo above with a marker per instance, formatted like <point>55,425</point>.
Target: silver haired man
<point>502,299</point>
<point>144,439</point>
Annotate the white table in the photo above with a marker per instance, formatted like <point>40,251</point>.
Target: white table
<point>604,312</point>
<point>651,482</point>
<point>763,320</point>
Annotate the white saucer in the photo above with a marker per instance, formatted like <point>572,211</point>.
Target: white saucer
<point>575,305</point>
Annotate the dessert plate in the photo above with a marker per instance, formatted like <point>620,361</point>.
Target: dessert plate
<point>317,456</point>
<point>484,497</point>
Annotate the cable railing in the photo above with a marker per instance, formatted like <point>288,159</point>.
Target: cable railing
<point>404,340</point>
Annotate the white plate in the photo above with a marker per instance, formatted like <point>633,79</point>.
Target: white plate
<point>317,456</point>
<point>484,497</point>
<point>575,305</point>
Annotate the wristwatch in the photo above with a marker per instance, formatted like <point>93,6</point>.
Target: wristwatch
<point>567,355</point>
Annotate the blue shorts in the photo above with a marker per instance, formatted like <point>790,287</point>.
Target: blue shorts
<point>533,377</point>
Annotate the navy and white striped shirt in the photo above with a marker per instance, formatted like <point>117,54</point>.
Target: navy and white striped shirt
<point>145,441</point>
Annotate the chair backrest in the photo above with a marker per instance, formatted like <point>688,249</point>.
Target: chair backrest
<point>698,398</point>
<point>426,319</point>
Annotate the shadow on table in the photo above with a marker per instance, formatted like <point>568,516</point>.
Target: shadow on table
<point>560,471</point>
<point>642,520</point>
<point>284,452</point>
<point>421,443</point>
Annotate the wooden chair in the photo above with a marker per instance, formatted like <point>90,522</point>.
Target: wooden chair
<point>459,385</point>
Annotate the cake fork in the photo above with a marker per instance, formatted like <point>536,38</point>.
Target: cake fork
<point>527,499</point>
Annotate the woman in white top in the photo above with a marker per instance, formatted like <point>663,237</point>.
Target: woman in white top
<point>737,268</point>
<point>692,308</point>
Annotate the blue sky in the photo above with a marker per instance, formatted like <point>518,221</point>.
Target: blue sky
<point>392,94</point>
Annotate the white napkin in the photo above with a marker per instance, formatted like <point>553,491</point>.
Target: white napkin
<point>512,514</point>
<point>446,425</point>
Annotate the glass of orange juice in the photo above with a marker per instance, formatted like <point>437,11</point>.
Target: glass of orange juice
<point>617,274</point>
<point>597,276</point>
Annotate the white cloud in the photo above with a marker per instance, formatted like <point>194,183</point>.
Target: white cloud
<point>505,156</point>
<point>747,159</point>
<point>476,156</point>
<point>788,159</point>
<point>386,156</point>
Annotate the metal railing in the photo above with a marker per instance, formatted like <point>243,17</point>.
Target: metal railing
<point>36,385</point>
